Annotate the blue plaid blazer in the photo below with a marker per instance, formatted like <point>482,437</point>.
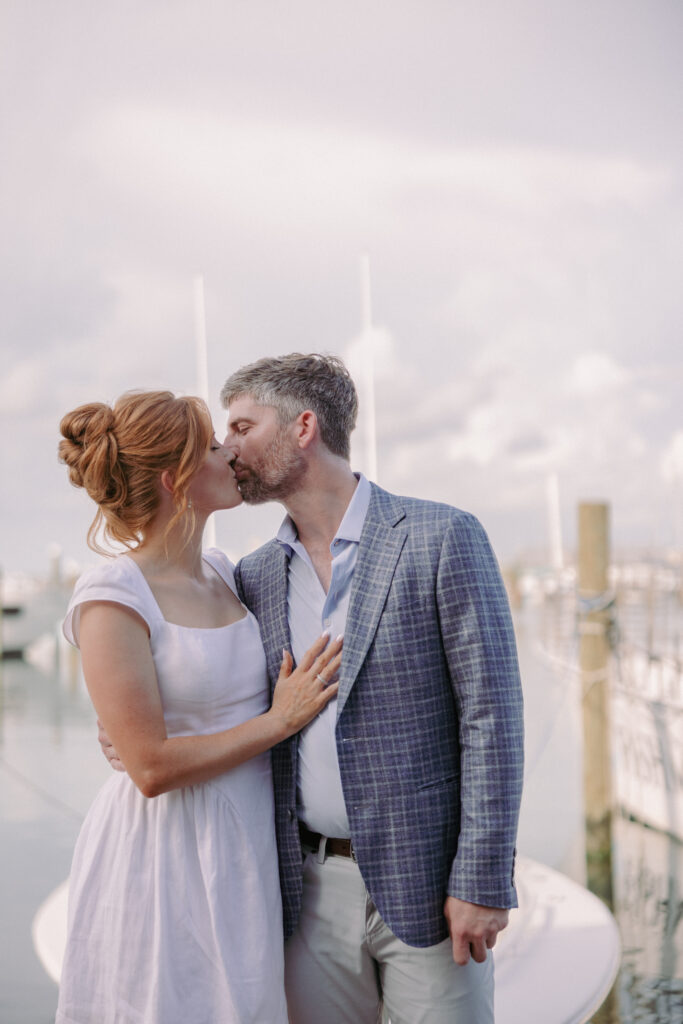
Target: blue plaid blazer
<point>429,716</point>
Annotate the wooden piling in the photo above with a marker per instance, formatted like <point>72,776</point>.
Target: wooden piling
<point>594,653</point>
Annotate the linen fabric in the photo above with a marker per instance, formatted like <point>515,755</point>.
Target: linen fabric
<point>429,728</point>
<point>174,902</point>
<point>344,965</point>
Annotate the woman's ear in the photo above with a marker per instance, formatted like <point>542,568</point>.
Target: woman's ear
<point>167,481</point>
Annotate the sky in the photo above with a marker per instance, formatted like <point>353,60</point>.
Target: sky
<point>512,171</point>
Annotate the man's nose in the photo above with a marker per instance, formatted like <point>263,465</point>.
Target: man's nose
<point>231,448</point>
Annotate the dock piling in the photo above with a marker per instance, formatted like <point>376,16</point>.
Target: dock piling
<point>594,603</point>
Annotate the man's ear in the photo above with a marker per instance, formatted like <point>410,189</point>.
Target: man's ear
<point>306,427</point>
<point>167,481</point>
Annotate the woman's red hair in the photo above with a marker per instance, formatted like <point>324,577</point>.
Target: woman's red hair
<point>119,453</point>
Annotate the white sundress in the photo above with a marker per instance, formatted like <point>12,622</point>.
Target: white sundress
<point>174,902</point>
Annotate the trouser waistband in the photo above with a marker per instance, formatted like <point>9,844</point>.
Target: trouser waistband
<point>326,844</point>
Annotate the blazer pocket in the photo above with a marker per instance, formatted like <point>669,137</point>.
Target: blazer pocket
<point>442,783</point>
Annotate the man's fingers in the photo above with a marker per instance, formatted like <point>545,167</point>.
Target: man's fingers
<point>478,950</point>
<point>473,928</point>
<point>461,950</point>
<point>464,949</point>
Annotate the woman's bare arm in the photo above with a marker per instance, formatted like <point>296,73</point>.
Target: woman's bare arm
<point>121,679</point>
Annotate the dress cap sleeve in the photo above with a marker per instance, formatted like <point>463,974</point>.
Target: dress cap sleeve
<point>119,581</point>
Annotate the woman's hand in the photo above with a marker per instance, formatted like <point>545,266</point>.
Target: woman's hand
<point>301,694</point>
<point>119,671</point>
<point>108,749</point>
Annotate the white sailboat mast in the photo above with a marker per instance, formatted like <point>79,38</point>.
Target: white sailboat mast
<point>202,370</point>
<point>554,522</point>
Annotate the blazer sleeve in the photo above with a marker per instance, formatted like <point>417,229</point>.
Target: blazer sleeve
<point>480,649</point>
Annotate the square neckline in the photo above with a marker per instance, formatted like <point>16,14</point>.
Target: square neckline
<point>179,625</point>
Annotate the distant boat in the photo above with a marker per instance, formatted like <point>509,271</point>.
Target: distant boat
<point>555,962</point>
<point>646,688</point>
<point>559,956</point>
<point>10,652</point>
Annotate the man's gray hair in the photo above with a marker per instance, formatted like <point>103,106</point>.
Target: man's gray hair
<point>293,383</point>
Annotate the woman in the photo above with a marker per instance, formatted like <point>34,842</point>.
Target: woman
<point>174,907</point>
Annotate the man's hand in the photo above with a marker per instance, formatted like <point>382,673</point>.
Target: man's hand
<point>108,750</point>
<point>473,928</point>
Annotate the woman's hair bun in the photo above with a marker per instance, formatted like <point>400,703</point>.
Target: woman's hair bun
<point>120,453</point>
<point>90,451</point>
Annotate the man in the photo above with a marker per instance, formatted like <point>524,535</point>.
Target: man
<point>396,809</point>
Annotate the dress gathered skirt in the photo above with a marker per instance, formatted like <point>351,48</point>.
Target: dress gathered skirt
<point>174,903</point>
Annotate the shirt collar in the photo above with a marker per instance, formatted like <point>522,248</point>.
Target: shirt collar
<point>352,522</point>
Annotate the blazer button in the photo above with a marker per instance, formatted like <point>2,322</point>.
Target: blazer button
<point>291,814</point>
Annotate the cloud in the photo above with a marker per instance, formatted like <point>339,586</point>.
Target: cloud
<point>671,462</point>
<point>514,175</point>
<point>272,172</point>
<point>595,374</point>
<point>24,386</point>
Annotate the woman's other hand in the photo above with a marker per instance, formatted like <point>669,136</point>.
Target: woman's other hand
<point>108,749</point>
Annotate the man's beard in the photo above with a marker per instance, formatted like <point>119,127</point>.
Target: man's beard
<point>275,475</point>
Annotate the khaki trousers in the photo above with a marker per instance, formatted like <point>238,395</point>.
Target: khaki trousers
<point>344,966</point>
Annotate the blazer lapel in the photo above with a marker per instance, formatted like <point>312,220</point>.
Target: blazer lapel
<point>379,548</point>
<point>272,612</point>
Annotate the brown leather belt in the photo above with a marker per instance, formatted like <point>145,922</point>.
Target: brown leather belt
<point>337,847</point>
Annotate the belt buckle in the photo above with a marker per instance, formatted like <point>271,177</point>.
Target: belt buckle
<point>352,852</point>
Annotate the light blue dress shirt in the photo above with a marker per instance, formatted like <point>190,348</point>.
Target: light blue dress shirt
<point>310,611</point>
